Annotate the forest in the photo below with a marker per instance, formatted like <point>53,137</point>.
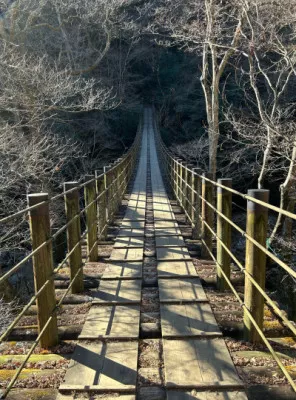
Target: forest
<point>75,77</point>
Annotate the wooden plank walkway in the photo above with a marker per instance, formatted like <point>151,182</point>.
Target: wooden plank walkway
<point>195,356</point>
<point>110,366</point>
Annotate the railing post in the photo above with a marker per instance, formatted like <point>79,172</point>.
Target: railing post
<point>196,201</point>
<point>189,191</point>
<point>185,188</point>
<point>175,181</point>
<point>257,222</point>
<point>43,268</point>
<point>207,216</point>
<point>180,181</point>
<point>112,192</point>
<point>224,206</point>
<point>107,191</point>
<point>183,184</point>
<point>74,235</point>
<point>102,230</point>
<point>172,172</point>
<point>90,195</point>
<point>118,183</point>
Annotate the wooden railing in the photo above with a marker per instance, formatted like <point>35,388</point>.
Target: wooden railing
<point>194,191</point>
<point>101,195</point>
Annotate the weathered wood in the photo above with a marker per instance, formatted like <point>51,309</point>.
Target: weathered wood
<point>123,270</point>
<point>201,395</point>
<point>200,364</point>
<point>169,241</point>
<point>207,216</point>
<point>127,254</point>
<point>107,189</point>
<point>113,322</point>
<point>74,235</point>
<point>130,232</point>
<point>128,241</point>
<point>196,202</point>
<point>101,207</point>
<point>176,269</point>
<point>181,290</point>
<point>103,367</point>
<point>127,224</point>
<point>257,221</point>
<point>172,253</point>
<point>165,224</point>
<point>43,268</point>
<point>118,292</point>
<point>224,206</point>
<point>188,320</point>
<point>90,195</point>
<point>167,232</point>
<point>187,194</point>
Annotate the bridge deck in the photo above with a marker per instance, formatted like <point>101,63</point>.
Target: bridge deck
<point>195,355</point>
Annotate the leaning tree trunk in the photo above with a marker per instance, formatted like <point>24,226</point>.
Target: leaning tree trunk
<point>285,192</point>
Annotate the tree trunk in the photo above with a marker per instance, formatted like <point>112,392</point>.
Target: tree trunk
<point>285,192</point>
<point>265,160</point>
<point>214,131</point>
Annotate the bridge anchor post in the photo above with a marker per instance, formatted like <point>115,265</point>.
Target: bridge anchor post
<point>43,269</point>
<point>257,222</point>
<point>74,235</point>
<point>224,206</point>
<point>196,212</point>
<point>207,216</point>
<point>90,195</point>
<point>101,206</point>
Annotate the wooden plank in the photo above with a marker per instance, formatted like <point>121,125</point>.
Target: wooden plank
<point>167,241</point>
<point>116,322</point>
<point>194,395</point>
<point>129,242</point>
<point>124,270</point>
<point>165,224</point>
<point>181,290</point>
<point>118,292</point>
<point>136,203</point>
<point>183,320</point>
<point>131,232</point>
<point>128,254</point>
<point>172,253</point>
<point>165,215</point>
<point>199,363</point>
<point>138,194</point>
<point>132,224</point>
<point>168,232</point>
<point>176,269</point>
<point>103,366</point>
<point>136,214</point>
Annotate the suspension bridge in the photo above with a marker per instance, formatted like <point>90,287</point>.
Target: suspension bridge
<point>149,263</point>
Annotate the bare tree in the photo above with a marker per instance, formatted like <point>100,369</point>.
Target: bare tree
<point>267,75</point>
<point>210,28</point>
